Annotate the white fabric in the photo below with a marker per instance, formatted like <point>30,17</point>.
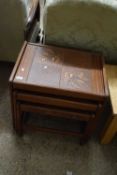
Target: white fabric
<point>84,24</point>
<point>42,3</point>
<point>112,3</point>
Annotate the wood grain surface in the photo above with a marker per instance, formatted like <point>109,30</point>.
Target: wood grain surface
<point>112,83</point>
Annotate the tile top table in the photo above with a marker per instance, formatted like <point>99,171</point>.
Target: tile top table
<point>65,80</point>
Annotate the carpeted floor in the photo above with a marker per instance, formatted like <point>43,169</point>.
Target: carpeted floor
<point>48,154</point>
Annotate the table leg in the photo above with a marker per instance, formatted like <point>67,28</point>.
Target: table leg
<point>110,130</point>
<point>14,109</point>
<point>19,120</point>
<point>91,126</point>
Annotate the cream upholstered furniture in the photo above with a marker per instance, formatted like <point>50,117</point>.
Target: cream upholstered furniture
<point>111,125</point>
<point>83,24</point>
<point>16,16</point>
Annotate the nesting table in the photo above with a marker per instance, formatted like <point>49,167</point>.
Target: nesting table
<point>60,83</point>
<point>110,129</point>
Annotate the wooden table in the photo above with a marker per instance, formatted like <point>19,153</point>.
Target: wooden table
<point>111,125</point>
<point>59,83</point>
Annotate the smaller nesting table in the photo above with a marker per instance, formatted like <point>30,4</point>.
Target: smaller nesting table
<point>111,125</point>
<point>60,83</point>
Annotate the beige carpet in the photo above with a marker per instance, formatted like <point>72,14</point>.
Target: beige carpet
<point>48,154</point>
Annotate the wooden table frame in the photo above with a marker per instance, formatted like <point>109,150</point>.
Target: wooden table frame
<point>22,99</point>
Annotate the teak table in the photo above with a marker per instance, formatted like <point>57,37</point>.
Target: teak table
<point>59,83</point>
<point>110,129</point>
